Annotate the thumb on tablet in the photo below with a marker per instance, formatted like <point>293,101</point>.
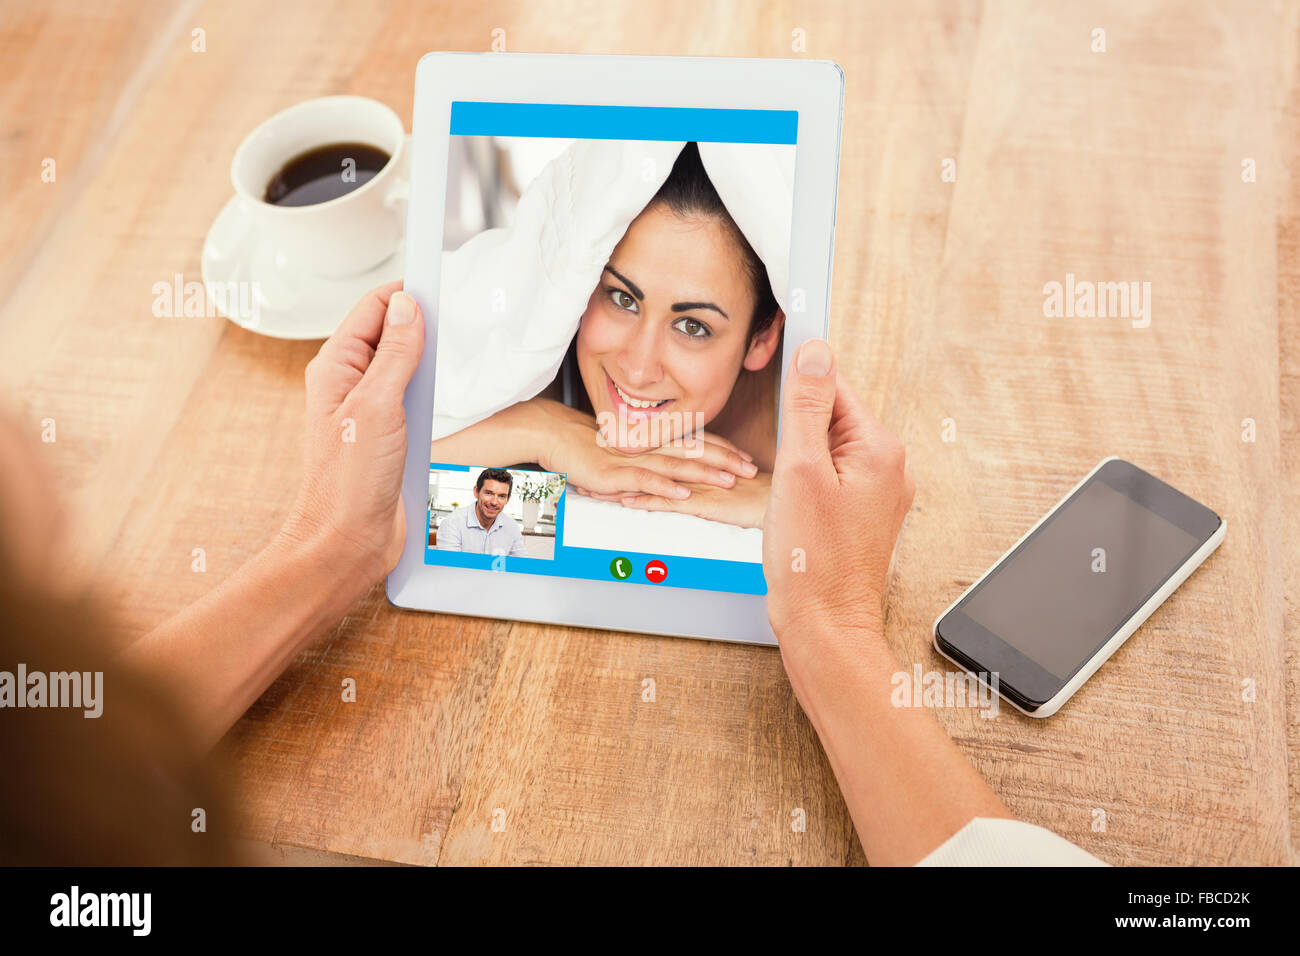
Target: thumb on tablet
<point>808,402</point>
<point>400,345</point>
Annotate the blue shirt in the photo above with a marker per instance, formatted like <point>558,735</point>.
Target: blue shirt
<point>462,531</point>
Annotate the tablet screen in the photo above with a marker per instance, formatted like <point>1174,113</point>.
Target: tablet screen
<point>609,341</point>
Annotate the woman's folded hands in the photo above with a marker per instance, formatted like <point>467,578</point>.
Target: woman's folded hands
<point>698,466</point>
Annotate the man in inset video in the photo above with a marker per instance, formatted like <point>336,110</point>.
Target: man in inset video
<point>484,527</point>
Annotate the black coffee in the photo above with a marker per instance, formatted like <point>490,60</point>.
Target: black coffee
<point>325,173</point>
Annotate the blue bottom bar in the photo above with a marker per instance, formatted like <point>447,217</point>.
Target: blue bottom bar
<point>701,574</point>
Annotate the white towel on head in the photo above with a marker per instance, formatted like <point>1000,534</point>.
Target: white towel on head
<point>511,298</point>
<point>756,183</point>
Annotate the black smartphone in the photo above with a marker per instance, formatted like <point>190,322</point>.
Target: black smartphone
<point>1052,609</point>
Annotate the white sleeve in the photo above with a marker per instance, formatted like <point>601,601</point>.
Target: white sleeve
<point>988,841</point>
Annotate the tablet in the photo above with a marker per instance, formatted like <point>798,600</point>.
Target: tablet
<point>616,259</point>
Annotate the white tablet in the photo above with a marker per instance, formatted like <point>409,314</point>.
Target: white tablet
<point>616,258</point>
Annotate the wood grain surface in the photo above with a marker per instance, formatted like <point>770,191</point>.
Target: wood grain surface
<point>183,433</point>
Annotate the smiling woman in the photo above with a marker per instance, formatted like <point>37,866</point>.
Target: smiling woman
<point>684,308</point>
<point>666,398</point>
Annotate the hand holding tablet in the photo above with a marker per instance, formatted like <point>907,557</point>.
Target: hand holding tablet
<point>614,306</point>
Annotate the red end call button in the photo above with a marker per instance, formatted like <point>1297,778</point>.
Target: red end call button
<point>656,572</point>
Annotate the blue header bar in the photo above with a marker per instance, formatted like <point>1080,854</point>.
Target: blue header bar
<point>624,122</point>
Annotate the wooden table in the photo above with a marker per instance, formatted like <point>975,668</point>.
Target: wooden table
<point>1124,165</point>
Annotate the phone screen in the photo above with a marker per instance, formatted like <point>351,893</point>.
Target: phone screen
<point>1044,611</point>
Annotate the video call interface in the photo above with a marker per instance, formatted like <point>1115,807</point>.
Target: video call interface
<point>610,413</point>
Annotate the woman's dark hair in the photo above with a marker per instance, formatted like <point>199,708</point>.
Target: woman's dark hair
<point>689,193</point>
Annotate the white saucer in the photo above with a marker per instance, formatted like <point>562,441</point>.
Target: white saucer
<point>291,304</point>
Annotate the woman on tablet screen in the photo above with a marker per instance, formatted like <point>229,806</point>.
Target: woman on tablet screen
<point>667,397</point>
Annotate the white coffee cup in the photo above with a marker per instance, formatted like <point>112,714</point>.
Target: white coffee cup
<point>345,236</point>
